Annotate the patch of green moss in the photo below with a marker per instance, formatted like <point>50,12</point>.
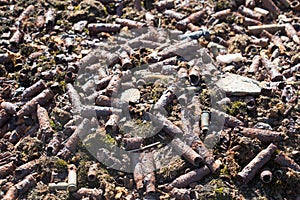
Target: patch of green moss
<point>109,140</point>
<point>63,84</point>
<point>52,124</point>
<point>60,164</point>
<point>224,171</point>
<point>235,107</point>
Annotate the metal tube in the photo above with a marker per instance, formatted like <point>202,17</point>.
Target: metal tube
<point>295,5</point>
<point>204,120</point>
<point>92,173</point>
<point>187,152</point>
<point>272,28</point>
<point>58,186</point>
<point>266,176</point>
<point>261,159</point>
<point>72,178</point>
<point>261,134</point>
<point>33,90</point>
<point>271,6</point>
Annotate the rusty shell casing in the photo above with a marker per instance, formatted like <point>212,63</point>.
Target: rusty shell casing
<point>285,161</point>
<point>54,145</point>
<point>250,13</point>
<point>285,3</point>
<point>261,134</point>
<point>271,6</point>
<point>33,90</point>
<point>111,126</point>
<point>193,18</point>
<point>230,121</point>
<point>9,107</point>
<point>251,22</point>
<point>262,11</point>
<point>26,169</point>
<point>92,172</point>
<point>72,178</point>
<point>254,65</point>
<point>256,163</point>
<point>206,155</point>
<point>266,175</point>
<point>12,193</point>
<point>125,60</point>
<point>220,41</point>
<point>190,177</point>
<point>263,42</point>
<point>148,172</point>
<point>100,111</point>
<point>44,122</point>
<point>133,143</point>
<point>138,175</point>
<point>204,121</point>
<point>71,145</point>
<point>104,27</point>
<point>180,194</point>
<point>157,67</point>
<point>70,77</point>
<point>295,5</point>
<point>166,98</point>
<point>87,192</point>
<point>173,14</point>
<point>7,169</point>
<point>193,27</point>
<point>195,75</point>
<point>292,33</point>
<point>113,85</point>
<point>275,39</point>
<point>222,14</point>
<point>171,129</point>
<point>4,117</point>
<point>103,83</point>
<point>187,152</point>
<point>74,98</point>
<point>24,185</point>
<point>103,100</point>
<point>130,23</point>
<point>42,99</point>
<point>80,132</point>
<point>274,73</point>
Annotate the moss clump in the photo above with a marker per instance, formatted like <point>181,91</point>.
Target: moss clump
<point>109,140</point>
<point>60,164</point>
<point>63,84</point>
<point>235,108</point>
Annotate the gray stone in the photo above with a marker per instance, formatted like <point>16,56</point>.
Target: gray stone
<point>238,85</point>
